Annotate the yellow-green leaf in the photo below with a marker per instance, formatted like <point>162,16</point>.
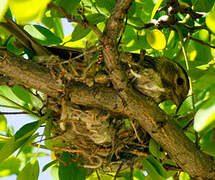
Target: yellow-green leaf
<point>156,39</point>
<point>30,171</point>
<point>27,10</point>
<point>157,5</point>
<point>205,116</point>
<point>3,7</point>
<point>3,123</point>
<point>210,20</point>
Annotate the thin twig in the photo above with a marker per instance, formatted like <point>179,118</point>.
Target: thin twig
<point>118,170</point>
<point>84,24</point>
<point>135,131</point>
<point>12,113</point>
<point>202,42</point>
<point>98,175</point>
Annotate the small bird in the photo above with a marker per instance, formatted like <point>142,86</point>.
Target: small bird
<point>161,79</point>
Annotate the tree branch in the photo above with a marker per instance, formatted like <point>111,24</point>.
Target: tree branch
<point>109,43</point>
<point>160,126</point>
<point>28,73</point>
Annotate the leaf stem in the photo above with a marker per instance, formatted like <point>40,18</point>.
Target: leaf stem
<point>187,63</point>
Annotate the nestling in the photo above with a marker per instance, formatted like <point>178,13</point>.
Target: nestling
<point>161,78</point>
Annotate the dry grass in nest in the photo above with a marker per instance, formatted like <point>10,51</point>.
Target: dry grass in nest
<point>97,139</point>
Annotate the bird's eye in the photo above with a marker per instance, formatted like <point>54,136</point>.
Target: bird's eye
<point>180,81</point>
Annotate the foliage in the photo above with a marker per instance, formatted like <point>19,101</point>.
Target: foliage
<point>195,35</point>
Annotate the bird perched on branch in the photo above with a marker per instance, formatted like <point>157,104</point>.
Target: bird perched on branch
<point>159,78</point>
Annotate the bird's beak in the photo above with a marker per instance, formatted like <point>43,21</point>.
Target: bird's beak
<point>178,101</point>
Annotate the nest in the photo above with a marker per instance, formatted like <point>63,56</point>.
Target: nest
<point>98,139</point>
<point>94,137</point>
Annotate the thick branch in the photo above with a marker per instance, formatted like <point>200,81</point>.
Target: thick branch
<point>115,21</point>
<point>28,73</point>
<point>109,43</point>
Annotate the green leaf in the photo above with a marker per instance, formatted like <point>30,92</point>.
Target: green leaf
<point>26,130</point>
<point>3,123</point>
<point>205,116</point>
<point>27,142</point>
<point>210,20</point>
<point>55,24</point>
<point>72,171</point>
<point>22,94</point>
<point>95,18</point>
<point>54,172</point>
<point>31,170</point>
<point>10,166</point>
<point>27,10</point>
<point>50,164</point>
<point>42,35</point>
<point>8,93</point>
<point>105,6</point>
<point>209,148</point>
<point>157,165</point>
<point>202,5</point>
<point>139,174</point>
<point>10,147</point>
<point>184,176</point>
<point>3,7</point>
<point>154,148</point>
<point>79,33</point>
<point>147,7</point>
<point>71,6</point>
<point>153,174</point>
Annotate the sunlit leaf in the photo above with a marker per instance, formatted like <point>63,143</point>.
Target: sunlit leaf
<point>205,116</point>
<point>157,5</point>
<point>3,123</point>
<point>55,25</point>
<point>54,173</point>
<point>156,39</point>
<point>3,7</point>
<point>184,176</point>
<point>147,7</point>
<point>31,170</point>
<point>210,20</point>
<point>11,165</point>
<point>8,93</point>
<point>10,147</point>
<point>42,35</point>
<point>22,94</point>
<point>79,32</point>
<point>105,6</point>
<point>27,10</point>
<point>50,164</point>
<point>26,130</point>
